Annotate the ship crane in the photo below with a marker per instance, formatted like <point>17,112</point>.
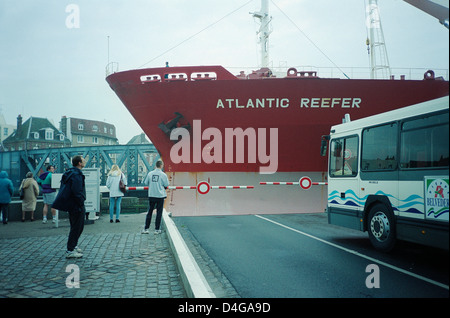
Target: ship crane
<point>435,8</point>
<point>376,47</point>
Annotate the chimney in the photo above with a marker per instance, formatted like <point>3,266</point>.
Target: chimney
<point>19,122</point>
<point>63,125</point>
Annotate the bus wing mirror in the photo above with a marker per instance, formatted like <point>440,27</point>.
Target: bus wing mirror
<point>323,145</point>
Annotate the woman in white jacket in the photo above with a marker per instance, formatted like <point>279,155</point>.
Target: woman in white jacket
<point>115,195</point>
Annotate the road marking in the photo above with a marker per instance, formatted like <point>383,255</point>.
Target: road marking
<point>359,254</point>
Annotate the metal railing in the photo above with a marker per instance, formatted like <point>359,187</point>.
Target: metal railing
<point>351,72</point>
<point>134,160</point>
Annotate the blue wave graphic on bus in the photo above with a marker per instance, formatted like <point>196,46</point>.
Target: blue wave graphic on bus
<point>437,213</point>
<point>351,199</point>
<point>412,204</point>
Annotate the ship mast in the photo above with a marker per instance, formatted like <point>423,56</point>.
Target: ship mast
<point>264,31</point>
<point>379,62</point>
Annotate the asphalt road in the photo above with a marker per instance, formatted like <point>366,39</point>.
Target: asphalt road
<point>301,255</point>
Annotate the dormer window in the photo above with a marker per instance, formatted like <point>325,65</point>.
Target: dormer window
<point>80,126</point>
<point>94,128</point>
<point>48,134</point>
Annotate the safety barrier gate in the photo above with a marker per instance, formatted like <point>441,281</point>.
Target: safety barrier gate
<point>304,182</point>
<point>204,187</point>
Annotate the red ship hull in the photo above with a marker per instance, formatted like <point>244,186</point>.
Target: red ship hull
<point>300,109</point>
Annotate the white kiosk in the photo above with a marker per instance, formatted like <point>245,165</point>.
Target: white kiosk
<point>92,183</point>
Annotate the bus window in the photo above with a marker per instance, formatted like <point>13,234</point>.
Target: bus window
<point>424,143</point>
<point>379,148</point>
<point>344,157</point>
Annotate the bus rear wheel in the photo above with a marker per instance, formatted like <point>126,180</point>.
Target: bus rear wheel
<point>381,228</point>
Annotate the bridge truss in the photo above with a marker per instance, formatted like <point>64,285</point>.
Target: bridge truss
<point>134,160</point>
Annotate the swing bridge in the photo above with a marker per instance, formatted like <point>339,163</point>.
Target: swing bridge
<point>134,160</point>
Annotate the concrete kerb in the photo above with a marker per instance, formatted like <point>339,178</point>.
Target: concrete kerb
<point>192,277</point>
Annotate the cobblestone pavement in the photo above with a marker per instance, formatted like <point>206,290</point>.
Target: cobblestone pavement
<point>118,261</point>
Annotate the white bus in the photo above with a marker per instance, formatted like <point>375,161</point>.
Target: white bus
<point>388,174</point>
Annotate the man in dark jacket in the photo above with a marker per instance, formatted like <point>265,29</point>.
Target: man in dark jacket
<point>70,198</point>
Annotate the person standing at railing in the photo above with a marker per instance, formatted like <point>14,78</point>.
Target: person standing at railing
<point>115,176</point>
<point>49,194</point>
<point>6,192</point>
<point>30,191</point>
<point>157,183</point>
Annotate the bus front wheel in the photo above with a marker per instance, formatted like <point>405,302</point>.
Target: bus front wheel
<point>381,228</point>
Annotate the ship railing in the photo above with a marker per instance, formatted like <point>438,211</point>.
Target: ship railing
<point>302,71</point>
<point>351,72</point>
<point>111,68</point>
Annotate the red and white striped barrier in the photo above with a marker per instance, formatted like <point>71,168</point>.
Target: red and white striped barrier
<point>202,187</point>
<point>170,187</point>
<point>304,182</point>
<point>232,187</point>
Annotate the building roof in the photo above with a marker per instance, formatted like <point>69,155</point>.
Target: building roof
<point>92,127</point>
<point>138,140</point>
<point>34,128</point>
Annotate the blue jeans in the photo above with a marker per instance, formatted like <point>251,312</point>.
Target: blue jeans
<point>114,201</point>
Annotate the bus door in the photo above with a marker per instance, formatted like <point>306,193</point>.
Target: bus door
<point>344,201</point>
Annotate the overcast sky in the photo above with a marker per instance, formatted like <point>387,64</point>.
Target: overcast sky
<point>51,66</point>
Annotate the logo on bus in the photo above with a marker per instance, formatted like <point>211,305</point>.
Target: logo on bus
<point>436,198</point>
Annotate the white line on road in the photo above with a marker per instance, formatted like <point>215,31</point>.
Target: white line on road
<point>359,254</point>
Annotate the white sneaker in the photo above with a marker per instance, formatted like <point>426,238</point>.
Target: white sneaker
<point>53,221</point>
<point>79,250</point>
<point>44,220</point>
<point>144,231</point>
<point>157,231</point>
<point>73,254</point>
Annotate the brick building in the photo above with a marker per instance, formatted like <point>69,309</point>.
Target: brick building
<point>84,132</point>
<point>35,133</point>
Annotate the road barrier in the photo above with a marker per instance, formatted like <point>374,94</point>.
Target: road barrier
<point>304,182</point>
<point>202,187</point>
